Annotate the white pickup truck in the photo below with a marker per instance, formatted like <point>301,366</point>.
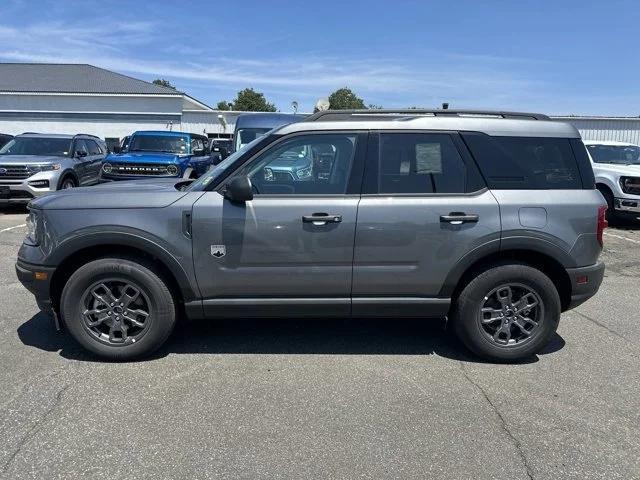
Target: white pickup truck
<point>616,166</point>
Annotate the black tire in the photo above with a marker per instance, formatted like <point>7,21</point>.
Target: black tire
<point>153,294</point>
<point>468,317</point>
<point>608,196</point>
<point>68,182</point>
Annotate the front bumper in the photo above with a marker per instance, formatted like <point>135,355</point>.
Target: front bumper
<point>104,177</point>
<point>39,285</point>
<point>585,282</point>
<point>627,205</point>
<point>21,191</point>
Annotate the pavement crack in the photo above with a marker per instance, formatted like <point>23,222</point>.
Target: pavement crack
<point>503,423</point>
<point>602,325</point>
<point>35,428</point>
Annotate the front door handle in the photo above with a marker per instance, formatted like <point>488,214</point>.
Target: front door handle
<point>322,218</point>
<point>458,218</point>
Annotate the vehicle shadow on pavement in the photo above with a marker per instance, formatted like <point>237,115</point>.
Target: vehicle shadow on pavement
<point>624,224</point>
<point>13,210</point>
<point>284,336</point>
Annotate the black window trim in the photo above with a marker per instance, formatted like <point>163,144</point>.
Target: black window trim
<point>354,184</point>
<point>370,177</point>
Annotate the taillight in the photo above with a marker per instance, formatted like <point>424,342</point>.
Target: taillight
<point>602,223</point>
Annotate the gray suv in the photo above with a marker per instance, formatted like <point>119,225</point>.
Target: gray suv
<point>490,219</point>
<point>34,164</point>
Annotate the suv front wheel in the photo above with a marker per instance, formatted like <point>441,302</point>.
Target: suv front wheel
<point>507,313</point>
<point>117,308</point>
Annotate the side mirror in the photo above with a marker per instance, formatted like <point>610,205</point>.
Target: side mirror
<point>81,153</point>
<point>116,149</point>
<point>239,190</point>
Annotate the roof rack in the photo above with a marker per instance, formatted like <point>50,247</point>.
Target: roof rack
<point>373,114</point>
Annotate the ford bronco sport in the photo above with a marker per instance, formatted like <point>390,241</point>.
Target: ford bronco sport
<point>491,220</point>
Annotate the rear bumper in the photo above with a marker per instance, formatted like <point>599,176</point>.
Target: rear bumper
<point>585,282</point>
<point>40,288</point>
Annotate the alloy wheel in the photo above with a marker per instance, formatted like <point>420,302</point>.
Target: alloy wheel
<point>116,312</point>
<point>511,314</point>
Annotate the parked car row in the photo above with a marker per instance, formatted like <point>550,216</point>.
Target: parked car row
<point>35,164</point>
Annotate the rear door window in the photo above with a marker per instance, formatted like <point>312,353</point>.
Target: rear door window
<point>423,163</point>
<point>536,163</point>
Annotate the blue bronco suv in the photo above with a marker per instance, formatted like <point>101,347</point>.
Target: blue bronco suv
<point>159,154</point>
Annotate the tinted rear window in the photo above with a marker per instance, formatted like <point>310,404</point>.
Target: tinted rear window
<point>537,163</point>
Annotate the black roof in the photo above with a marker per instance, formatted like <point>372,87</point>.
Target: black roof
<point>72,78</point>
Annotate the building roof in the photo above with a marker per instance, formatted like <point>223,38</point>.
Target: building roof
<point>73,78</point>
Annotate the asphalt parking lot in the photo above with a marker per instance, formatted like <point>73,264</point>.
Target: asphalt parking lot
<point>324,399</point>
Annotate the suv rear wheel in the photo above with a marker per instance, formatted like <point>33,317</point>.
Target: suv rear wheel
<point>507,313</point>
<point>118,309</point>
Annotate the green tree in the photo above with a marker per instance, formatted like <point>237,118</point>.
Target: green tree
<point>224,105</point>
<point>248,100</point>
<point>345,99</point>
<point>163,83</point>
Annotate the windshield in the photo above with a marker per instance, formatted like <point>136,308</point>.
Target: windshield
<point>246,135</point>
<point>618,154</point>
<point>41,146</point>
<point>215,172</point>
<point>159,143</point>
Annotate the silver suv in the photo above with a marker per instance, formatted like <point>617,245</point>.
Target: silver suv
<point>491,220</point>
<point>34,164</point>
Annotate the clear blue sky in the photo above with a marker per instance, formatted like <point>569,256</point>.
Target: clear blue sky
<point>557,57</point>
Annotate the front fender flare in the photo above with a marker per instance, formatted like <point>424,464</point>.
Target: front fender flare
<point>126,237</point>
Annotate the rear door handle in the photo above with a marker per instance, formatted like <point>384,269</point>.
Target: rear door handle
<point>458,218</point>
<point>322,218</point>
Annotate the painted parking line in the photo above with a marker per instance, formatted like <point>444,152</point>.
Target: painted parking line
<point>622,237</point>
<point>13,228</point>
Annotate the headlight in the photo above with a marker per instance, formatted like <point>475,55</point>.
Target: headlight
<point>304,172</point>
<point>172,169</point>
<point>630,185</point>
<point>32,228</point>
<point>44,168</point>
<point>107,168</point>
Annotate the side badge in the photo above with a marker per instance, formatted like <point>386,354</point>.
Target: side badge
<point>218,251</point>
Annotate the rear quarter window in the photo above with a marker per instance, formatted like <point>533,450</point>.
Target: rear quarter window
<point>527,163</point>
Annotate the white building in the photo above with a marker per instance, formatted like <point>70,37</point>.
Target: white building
<point>621,129</point>
<point>70,98</point>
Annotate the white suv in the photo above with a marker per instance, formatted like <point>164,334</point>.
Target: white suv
<point>616,166</point>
